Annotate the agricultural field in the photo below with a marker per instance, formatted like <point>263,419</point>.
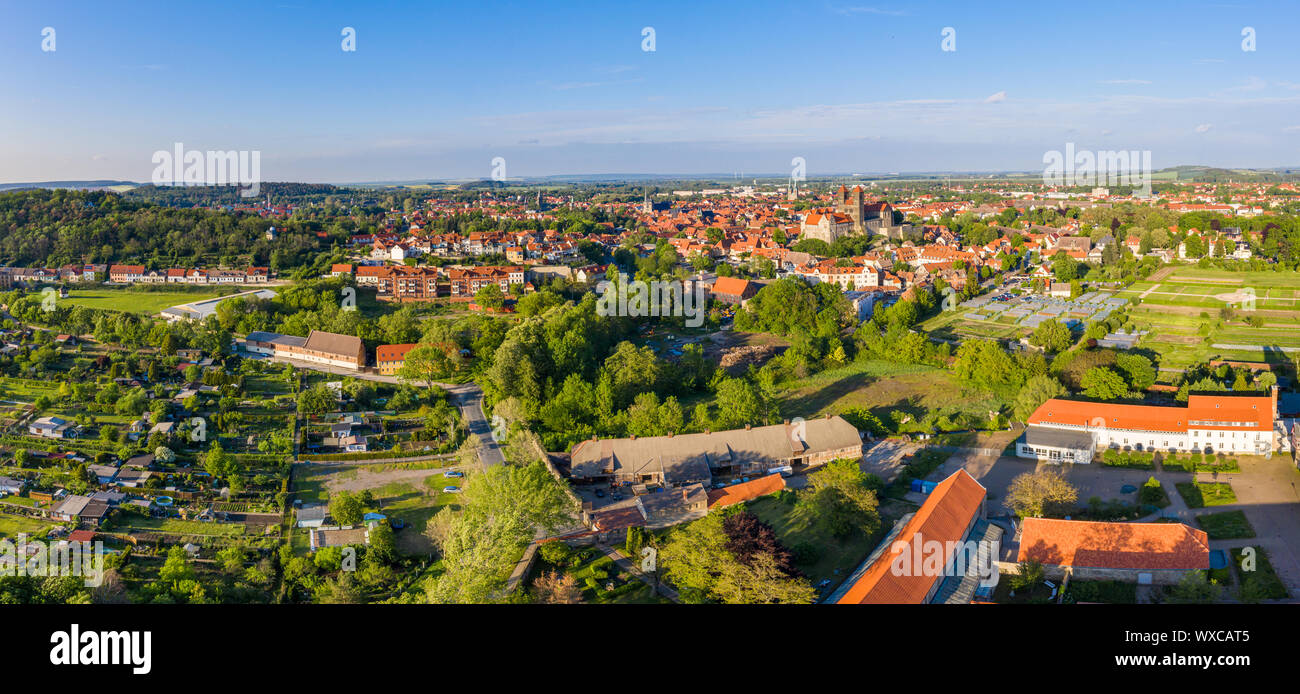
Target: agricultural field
<point>956,325</point>
<point>1185,318</point>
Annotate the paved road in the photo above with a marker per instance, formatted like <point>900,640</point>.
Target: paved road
<point>469,398</point>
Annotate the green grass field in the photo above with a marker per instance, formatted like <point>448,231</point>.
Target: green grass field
<point>882,387</point>
<point>11,526</point>
<point>793,526</point>
<point>1203,494</point>
<point>132,301</point>
<point>414,500</point>
<point>1227,525</point>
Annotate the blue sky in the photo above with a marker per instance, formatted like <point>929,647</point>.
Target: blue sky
<point>438,89</point>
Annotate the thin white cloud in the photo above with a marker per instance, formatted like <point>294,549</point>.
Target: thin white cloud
<point>1252,84</point>
<point>1204,128</point>
<point>996,98</point>
<point>870,10</point>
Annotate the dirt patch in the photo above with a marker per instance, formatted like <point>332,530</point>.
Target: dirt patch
<point>1160,274</point>
<point>370,479</point>
<point>885,458</point>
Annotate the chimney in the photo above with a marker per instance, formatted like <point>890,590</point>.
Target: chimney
<point>633,437</point>
<point>708,431</point>
<point>787,422</point>
<point>670,434</point>
<point>747,427</point>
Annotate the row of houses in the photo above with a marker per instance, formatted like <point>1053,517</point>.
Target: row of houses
<point>139,274</point>
<point>403,283</point>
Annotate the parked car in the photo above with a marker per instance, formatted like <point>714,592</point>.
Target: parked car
<point>453,473</point>
<point>451,489</point>
<point>600,493</point>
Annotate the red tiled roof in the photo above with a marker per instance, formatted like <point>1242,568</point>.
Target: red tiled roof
<point>944,517</point>
<point>1114,545</point>
<point>732,286</point>
<point>1203,409</point>
<point>745,491</point>
<point>393,352</point>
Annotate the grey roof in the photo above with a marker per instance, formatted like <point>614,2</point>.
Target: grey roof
<point>688,457</point>
<point>73,505</point>
<point>277,338</point>
<point>110,498</point>
<point>310,513</point>
<point>1057,438</point>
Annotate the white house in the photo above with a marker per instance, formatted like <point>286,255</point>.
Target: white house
<point>52,428</point>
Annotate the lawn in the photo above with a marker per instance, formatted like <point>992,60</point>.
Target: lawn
<point>1228,525</point>
<point>11,526</point>
<point>1271,586</point>
<point>1202,494</point>
<point>177,526</point>
<point>133,301</point>
<point>885,387</point>
<point>831,558</point>
<point>399,493</point>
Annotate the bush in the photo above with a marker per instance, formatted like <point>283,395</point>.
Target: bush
<point>806,553</point>
<point>555,553</point>
<point>593,584</point>
<point>1152,493</point>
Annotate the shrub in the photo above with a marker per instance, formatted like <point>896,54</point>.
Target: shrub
<point>1153,494</point>
<point>555,553</point>
<point>806,553</point>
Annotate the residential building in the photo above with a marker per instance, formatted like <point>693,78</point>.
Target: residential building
<point>733,290</point>
<point>53,428</point>
<point>390,358</point>
<point>1216,423</point>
